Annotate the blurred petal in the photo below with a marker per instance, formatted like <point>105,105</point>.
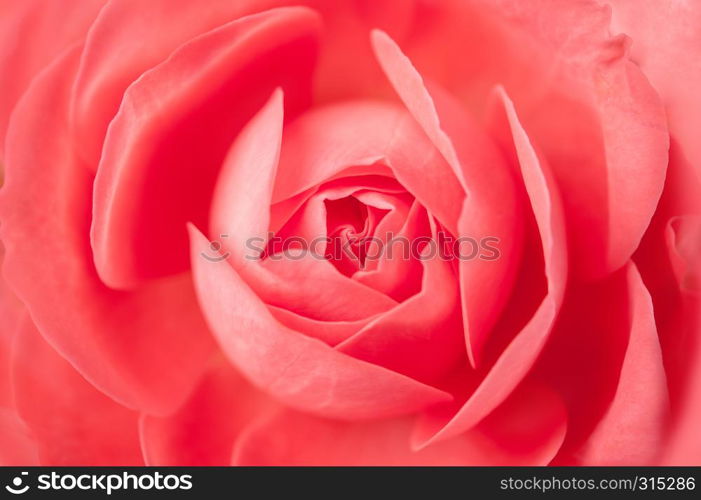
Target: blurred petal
<point>45,210</point>
<point>203,431</point>
<point>74,423</point>
<point>632,430</point>
<point>11,312</point>
<point>31,36</point>
<point>684,445</point>
<point>666,45</point>
<point>526,430</point>
<point>18,447</point>
<point>683,238</point>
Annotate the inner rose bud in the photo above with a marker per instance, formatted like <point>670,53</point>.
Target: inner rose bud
<point>360,175</point>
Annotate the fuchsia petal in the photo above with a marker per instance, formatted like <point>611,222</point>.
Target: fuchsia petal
<point>392,269</point>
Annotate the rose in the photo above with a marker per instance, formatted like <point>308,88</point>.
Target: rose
<point>533,123</point>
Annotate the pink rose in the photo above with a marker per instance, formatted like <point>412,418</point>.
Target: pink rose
<point>207,208</point>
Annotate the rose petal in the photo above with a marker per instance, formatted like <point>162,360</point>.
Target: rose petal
<point>11,312</point>
<point>390,266</point>
<point>148,33</point>
<point>526,430</point>
<point>491,195</point>
<point>664,272</point>
<point>302,372</point>
<point>45,209</point>
<point>684,444</point>
<point>162,155</point>
<point>665,36</point>
<point>30,38</point>
<point>632,430</point>
<point>683,238</point>
<point>18,447</point>
<point>572,86</point>
<point>421,337</point>
<point>330,139</point>
<point>314,288</point>
<point>240,210</point>
<point>240,207</point>
<point>520,355</point>
<point>203,431</point>
<point>331,332</point>
<point>73,423</point>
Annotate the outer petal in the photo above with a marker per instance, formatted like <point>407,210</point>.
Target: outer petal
<point>572,86</point>
<point>489,207</point>
<point>668,270</point>
<point>18,446</point>
<point>520,355</point>
<point>30,38</point>
<point>165,146</point>
<point>11,312</point>
<point>204,429</point>
<point>667,45</point>
<point>150,31</point>
<point>514,434</point>
<point>302,372</point>
<point>145,348</point>
<point>128,38</point>
<point>684,446</point>
<point>632,431</point>
<point>74,424</point>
